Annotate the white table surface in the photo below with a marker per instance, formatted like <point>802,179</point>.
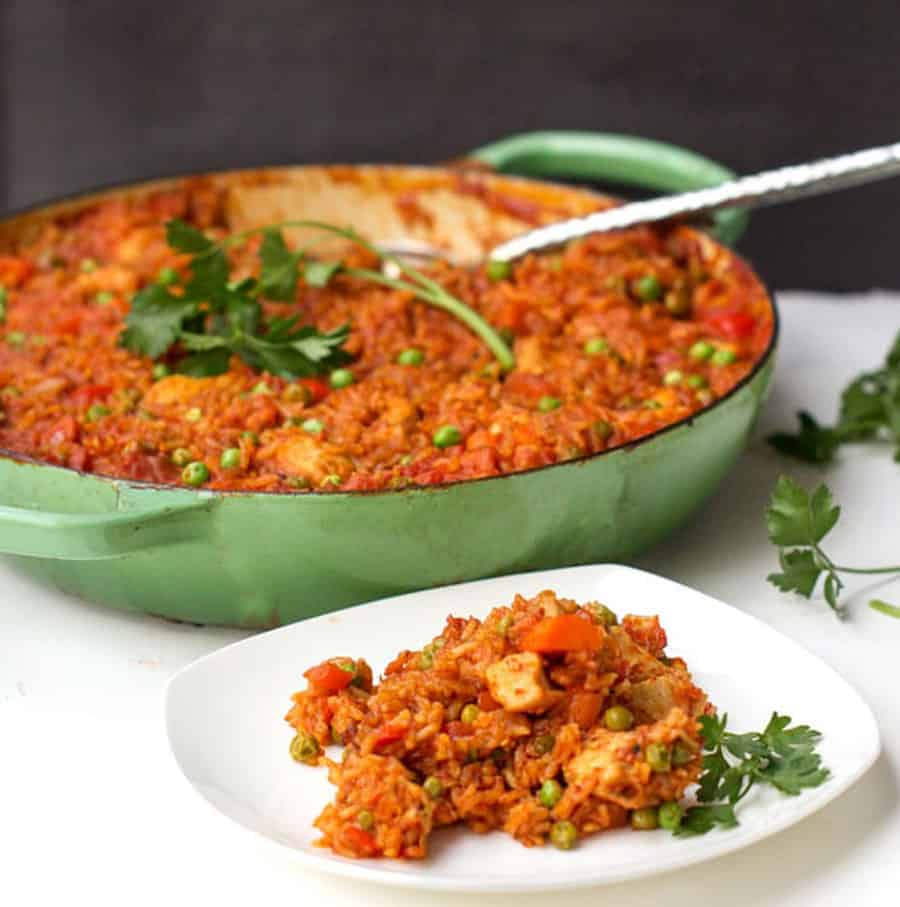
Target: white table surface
<point>91,803</point>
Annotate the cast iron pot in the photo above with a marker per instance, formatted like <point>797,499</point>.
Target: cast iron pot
<point>262,559</point>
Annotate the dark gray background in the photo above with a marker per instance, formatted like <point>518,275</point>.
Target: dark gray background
<point>99,91</point>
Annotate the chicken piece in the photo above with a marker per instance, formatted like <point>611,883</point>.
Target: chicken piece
<point>304,455</point>
<point>530,357</point>
<point>176,389</point>
<point>653,699</point>
<point>613,764</point>
<point>518,683</point>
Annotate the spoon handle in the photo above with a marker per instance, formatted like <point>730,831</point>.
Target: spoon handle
<point>769,188</point>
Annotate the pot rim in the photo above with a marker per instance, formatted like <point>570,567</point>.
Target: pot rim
<point>85,195</point>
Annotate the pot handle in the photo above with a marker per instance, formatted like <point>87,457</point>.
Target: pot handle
<point>97,536</point>
<point>609,157</point>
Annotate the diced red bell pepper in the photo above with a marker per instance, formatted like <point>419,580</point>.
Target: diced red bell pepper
<point>359,841</point>
<point>327,678</point>
<point>317,388</point>
<point>90,393</point>
<point>390,733</point>
<point>566,633</point>
<point>732,325</point>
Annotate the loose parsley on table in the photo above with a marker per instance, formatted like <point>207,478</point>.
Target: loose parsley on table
<point>212,317</point>
<point>782,756</point>
<point>797,522</point>
<point>870,408</point>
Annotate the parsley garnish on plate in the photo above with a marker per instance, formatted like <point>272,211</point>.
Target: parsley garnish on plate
<point>781,755</point>
<point>797,522</point>
<point>870,409</point>
<point>213,317</point>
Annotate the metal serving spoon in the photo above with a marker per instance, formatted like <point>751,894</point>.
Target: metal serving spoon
<point>769,188</point>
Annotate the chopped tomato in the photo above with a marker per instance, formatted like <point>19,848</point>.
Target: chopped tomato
<point>327,678</point>
<point>317,388</point>
<point>14,270</point>
<point>732,325</point>
<point>566,633</point>
<point>390,733</point>
<point>486,702</point>
<point>359,841</point>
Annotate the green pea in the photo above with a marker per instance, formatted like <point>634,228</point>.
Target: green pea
<point>104,297</point>
<point>669,816</point>
<point>88,265</point>
<point>297,481</point>
<point>548,404</point>
<point>313,426</point>
<point>618,718</point>
<point>645,819</point>
<point>696,381</point>
<point>341,377</point>
<point>195,473</point>
<point>563,835</point>
<point>305,748</point>
<point>498,270</point>
<point>603,615</point>
<point>181,456</point>
<point>251,436</point>
<point>469,713</point>
<point>659,757</point>
<point>16,338</point>
<point>411,356</point>
<point>160,370</point>
<point>550,793</point>
<point>701,350</point>
<point>426,659</point>
<point>596,346</point>
<point>260,388</point>
<point>296,393</point>
<point>724,356</point>
<point>544,743</point>
<point>194,414</point>
<point>332,480</point>
<point>96,412</point>
<point>652,404</point>
<point>365,820</point>
<point>603,429</point>
<point>447,436</point>
<point>682,754</point>
<point>648,287</point>
<point>231,458</point>
<point>166,277</point>
<point>433,787</point>
<point>673,377</point>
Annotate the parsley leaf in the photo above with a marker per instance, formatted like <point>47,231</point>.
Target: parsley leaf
<point>781,755</point>
<point>795,518</point>
<point>797,522</point>
<point>870,408</point>
<point>813,443</point>
<point>156,320</point>
<point>279,272</point>
<point>212,317</point>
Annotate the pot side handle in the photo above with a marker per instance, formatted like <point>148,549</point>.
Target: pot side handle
<point>609,157</point>
<point>98,536</point>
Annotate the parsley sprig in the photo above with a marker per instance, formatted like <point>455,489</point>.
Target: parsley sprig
<point>797,522</point>
<point>781,755</point>
<point>870,409</point>
<point>213,317</point>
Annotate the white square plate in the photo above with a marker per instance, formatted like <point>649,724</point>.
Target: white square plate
<point>224,720</point>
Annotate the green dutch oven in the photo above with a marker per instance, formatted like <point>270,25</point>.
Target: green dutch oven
<point>261,559</point>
